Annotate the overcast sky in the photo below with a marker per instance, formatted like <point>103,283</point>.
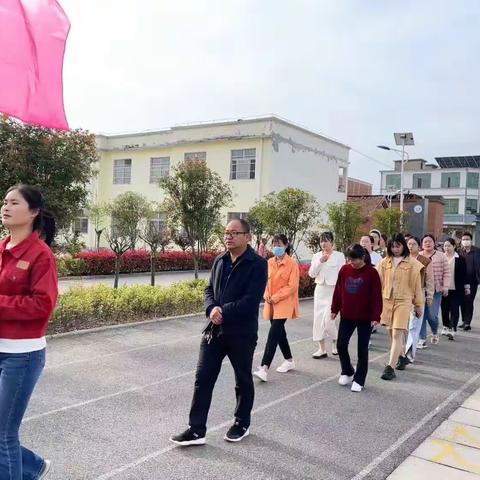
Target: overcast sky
<point>353,70</point>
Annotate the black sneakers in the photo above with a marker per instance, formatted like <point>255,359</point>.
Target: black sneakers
<point>236,433</point>
<point>467,328</point>
<point>388,373</point>
<point>187,438</point>
<point>402,363</point>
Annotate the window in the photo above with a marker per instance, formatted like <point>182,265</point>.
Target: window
<point>471,206</point>
<point>472,180</point>
<point>421,180</point>
<point>80,224</point>
<point>242,165</point>
<point>451,206</point>
<point>392,182</point>
<point>241,215</point>
<point>159,223</point>
<point>159,168</point>
<point>341,179</point>
<point>199,156</point>
<point>122,171</point>
<point>451,180</point>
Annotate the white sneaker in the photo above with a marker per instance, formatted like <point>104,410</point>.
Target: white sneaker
<point>356,387</point>
<point>451,334</point>
<point>435,340</point>
<point>320,354</point>
<point>444,331</point>
<point>422,344</point>
<point>345,380</point>
<point>261,373</point>
<point>286,366</point>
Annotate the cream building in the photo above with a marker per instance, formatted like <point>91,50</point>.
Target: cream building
<point>255,156</point>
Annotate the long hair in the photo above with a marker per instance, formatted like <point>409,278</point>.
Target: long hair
<point>282,238</point>
<point>44,222</point>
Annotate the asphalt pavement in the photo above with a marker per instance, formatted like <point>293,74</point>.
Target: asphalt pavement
<point>108,401</point>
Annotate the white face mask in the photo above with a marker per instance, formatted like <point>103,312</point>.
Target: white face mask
<point>466,243</point>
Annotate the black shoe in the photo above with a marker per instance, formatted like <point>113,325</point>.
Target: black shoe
<point>187,438</point>
<point>467,328</point>
<point>402,363</point>
<point>236,433</point>
<point>462,326</point>
<point>388,373</point>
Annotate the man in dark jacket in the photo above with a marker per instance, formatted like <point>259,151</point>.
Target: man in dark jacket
<point>472,257</point>
<point>232,298</point>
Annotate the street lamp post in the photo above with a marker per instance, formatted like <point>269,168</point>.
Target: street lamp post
<point>401,139</point>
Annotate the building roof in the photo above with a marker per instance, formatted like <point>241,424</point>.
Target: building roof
<point>363,182</point>
<point>218,123</point>
<point>472,161</point>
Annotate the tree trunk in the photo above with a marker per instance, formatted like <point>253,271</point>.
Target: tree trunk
<point>152,269</point>
<point>117,271</point>
<point>99,234</point>
<point>195,262</point>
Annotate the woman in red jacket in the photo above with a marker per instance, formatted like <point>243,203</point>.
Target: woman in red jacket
<point>358,298</point>
<point>28,294</point>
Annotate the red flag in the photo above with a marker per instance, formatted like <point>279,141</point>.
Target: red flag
<point>33,34</point>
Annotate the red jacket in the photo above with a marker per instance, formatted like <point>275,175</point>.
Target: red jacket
<point>28,288</point>
<point>358,294</point>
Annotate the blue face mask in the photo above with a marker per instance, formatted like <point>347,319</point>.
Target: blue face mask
<point>278,251</point>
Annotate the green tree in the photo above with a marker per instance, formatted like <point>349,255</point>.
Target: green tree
<point>61,164</point>
<point>195,196</point>
<point>291,211</point>
<point>127,212</point>
<point>344,219</point>
<point>390,221</point>
<point>312,241</point>
<point>259,218</point>
<point>119,242</point>
<point>96,214</point>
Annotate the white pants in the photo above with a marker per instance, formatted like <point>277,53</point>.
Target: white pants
<point>323,325</point>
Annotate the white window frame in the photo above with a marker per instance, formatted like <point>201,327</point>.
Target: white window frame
<point>122,172</point>
<point>159,168</point>
<point>243,164</point>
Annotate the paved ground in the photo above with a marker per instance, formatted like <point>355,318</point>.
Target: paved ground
<point>162,278</point>
<point>108,401</point>
<point>451,452</point>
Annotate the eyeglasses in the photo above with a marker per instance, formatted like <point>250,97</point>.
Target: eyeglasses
<point>234,234</point>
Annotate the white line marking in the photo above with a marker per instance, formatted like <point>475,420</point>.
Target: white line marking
<point>377,461</point>
<point>158,453</point>
<point>129,390</point>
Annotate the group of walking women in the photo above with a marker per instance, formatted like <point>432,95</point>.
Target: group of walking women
<point>400,283</point>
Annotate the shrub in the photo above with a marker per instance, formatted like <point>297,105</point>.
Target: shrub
<point>90,307</point>
<point>134,261</point>
<point>307,284</point>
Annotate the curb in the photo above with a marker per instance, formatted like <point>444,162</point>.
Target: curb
<point>80,278</point>
<point>132,324</point>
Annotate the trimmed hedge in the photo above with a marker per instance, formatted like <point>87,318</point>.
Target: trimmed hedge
<point>134,261</point>
<point>89,307</point>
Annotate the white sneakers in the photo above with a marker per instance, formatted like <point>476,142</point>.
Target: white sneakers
<point>422,344</point>
<point>261,373</point>
<point>286,366</point>
<point>320,354</point>
<point>435,340</point>
<point>356,387</point>
<point>345,380</point>
<point>444,331</point>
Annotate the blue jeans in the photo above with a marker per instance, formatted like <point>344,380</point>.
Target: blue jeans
<point>19,373</point>
<point>431,316</point>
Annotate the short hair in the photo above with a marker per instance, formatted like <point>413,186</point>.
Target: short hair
<point>282,238</point>
<point>467,234</point>
<point>398,238</point>
<point>327,237</point>
<point>429,235</point>
<point>372,240</point>
<point>417,240</point>
<point>245,225</point>
<point>356,252</point>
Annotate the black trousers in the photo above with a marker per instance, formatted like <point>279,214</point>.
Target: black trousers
<point>467,304</point>
<point>345,332</point>
<point>451,309</point>
<point>239,349</point>
<point>277,336</point>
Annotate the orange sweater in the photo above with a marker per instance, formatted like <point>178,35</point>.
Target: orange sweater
<point>282,289</point>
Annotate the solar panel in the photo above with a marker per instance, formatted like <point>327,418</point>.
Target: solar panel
<point>472,161</point>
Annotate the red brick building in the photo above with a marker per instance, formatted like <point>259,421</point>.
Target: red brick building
<point>358,187</point>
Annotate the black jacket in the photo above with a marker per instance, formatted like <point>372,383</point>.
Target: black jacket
<point>473,256</point>
<point>460,275</point>
<point>242,294</point>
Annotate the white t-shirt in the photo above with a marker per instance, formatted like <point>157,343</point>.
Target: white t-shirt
<point>376,258</point>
